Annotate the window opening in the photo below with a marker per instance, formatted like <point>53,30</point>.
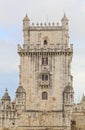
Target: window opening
<point>43,77</point>
<point>42,61</point>
<point>45,42</point>
<point>44,96</point>
<point>45,61</point>
<point>46,77</point>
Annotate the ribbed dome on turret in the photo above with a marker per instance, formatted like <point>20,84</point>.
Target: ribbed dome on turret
<point>20,89</point>
<point>68,88</point>
<point>64,18</point>
<point>6,95</point>
<point>26,18</point>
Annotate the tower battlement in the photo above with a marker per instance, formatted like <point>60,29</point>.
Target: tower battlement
<point>50,48</point>
<point>45,33</point>
<point>45,26</point>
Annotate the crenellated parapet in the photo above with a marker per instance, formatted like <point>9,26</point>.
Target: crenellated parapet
<point>45,26</point>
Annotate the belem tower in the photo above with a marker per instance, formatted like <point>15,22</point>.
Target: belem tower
<point>44,99</point>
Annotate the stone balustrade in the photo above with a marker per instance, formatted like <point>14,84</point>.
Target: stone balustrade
<point>46,48</point>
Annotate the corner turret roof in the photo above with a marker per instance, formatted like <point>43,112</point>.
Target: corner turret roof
<point>68,88</point>
<point>64,18</point>
<point>26,18</point>
<point>20,89</point>
<point>6,95</point>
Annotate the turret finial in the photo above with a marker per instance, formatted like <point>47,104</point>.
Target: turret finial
<point>26,18</point>
<point>64,18</point>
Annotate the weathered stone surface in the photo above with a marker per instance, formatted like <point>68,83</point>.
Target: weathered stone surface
<point>44,98</point>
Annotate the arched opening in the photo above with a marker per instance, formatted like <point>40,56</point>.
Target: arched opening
<point>71,96</point>
<point>45,42</point>
<point>43,77</point>
<point>45,61</point>
<point>46,77</point>
<point>44,95</point>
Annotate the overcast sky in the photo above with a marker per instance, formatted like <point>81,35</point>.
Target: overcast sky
<point>11,14</point>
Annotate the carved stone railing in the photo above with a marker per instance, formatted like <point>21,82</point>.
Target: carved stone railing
<point>46,48</point>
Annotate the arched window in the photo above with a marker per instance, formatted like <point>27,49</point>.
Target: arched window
<point>44,95</point>
<point>45,61</point>
<point>71,96</point>
<point>46,77</point>
<point>45,42</point>
<point>43,77</point>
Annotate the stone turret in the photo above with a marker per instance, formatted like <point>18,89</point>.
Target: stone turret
<point>65,28</point>
<point>6,100</point>
<point>26,23</point>
<point>20,98</point>
<point>64,21</point>
<point>68,95</point>
<point>6,96</point>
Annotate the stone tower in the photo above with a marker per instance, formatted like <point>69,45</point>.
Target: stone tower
<point>45,76</point>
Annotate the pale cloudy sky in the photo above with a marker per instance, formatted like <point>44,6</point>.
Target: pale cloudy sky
<point>11,14</point>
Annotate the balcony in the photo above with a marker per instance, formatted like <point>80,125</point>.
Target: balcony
<point>50,48</point>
